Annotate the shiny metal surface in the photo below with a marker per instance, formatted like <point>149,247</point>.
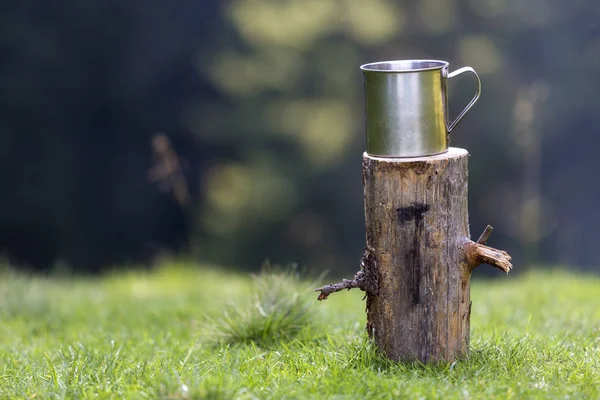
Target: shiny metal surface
<point>406,107</point>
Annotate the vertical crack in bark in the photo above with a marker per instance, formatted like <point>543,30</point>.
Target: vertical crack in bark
<point>415,213</point>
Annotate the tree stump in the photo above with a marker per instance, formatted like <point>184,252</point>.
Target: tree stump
<point>419,258</point>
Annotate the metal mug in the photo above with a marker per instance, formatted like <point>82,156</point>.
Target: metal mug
<point>406,105</point>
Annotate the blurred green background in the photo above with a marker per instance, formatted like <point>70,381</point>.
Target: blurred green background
<point>232,131</point>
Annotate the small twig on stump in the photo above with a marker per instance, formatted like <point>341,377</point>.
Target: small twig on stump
<point>365,279</point>
<point>357,282</point>
<point>485,235</point>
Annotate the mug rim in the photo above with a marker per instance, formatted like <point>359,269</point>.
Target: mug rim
<point>372,67</point>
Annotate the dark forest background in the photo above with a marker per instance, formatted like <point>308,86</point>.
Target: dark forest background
<point>232,131</point>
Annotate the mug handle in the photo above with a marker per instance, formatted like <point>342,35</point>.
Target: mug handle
<point>473,100</point>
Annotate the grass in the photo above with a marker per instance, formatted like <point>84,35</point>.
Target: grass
<point>199,333</point>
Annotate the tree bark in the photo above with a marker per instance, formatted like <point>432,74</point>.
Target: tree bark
<point>417,230</point>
